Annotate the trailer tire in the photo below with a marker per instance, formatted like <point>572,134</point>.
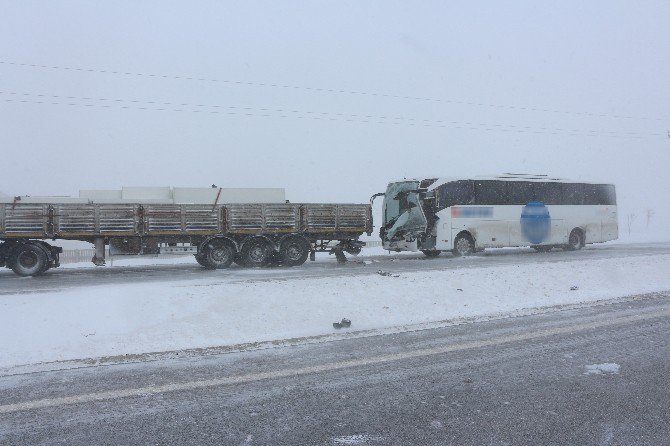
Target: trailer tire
<point>353,250</point>
<point>29,260</point>
<point>294,251</point>
<point>217,254</point>
<point>256,253</point>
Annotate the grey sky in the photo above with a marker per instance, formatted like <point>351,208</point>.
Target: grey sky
<point>606,58</point>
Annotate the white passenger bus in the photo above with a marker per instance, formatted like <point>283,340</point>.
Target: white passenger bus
<point>464,215</point>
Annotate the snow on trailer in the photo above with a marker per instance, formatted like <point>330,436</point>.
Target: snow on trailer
<point>252,227</point>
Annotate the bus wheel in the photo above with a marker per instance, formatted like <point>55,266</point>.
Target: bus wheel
<point>576,240</point>
<point>30,260</point>
<point>430,253</point>
<point>294,251</point>
<point>463,245</point>
<point>217,255</point>
<point>256,252</point>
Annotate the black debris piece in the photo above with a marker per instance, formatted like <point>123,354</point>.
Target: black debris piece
<point>387,274</point>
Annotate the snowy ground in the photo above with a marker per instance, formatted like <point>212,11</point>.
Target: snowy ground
<point>94,321</point>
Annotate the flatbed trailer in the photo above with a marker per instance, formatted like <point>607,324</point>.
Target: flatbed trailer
<point>250,234</point>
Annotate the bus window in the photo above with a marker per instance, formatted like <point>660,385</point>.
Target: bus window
<point>573,193</point>
<point>490,192</point>
<point>599,194</point>
<point>392,206</point>
<point>519,192</point>
<point>455,193</point>
<point>548,193</point>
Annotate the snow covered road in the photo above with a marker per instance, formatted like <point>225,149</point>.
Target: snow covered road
<point>593,375</point>
<point>64,316</point>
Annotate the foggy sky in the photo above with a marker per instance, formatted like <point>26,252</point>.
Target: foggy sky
<point>579,90</point>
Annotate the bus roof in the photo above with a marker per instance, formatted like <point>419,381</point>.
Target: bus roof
<point>509,177</point>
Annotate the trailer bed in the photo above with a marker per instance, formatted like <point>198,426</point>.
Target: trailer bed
<point>88,221</point>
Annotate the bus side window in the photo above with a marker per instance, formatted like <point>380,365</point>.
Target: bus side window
<point>456,193</point>
<point>573,193</point>
<point>519,192</point>
<point>548,193</point>
<point>604,194</point>
<point>491,192</point>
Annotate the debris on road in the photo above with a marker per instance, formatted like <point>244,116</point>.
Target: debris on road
<point>344,323</point>
<point>387,274</point>
<point>574,288</point>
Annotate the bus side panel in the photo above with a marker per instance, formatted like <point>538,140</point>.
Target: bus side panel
<point>610,224</point>
<point>443,240</point>
<point>587,217</point>
<point>491,229</point>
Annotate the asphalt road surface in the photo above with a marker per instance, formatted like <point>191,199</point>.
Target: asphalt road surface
<point>594,376</point>
<point>65,278</point>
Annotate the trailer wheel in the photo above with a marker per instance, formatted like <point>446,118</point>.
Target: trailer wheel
<point>430,253</point>
<point>217,255</point>
<point>239,260</point>
<point>29,260</point>
<point>294,251</point>
<point>256,253</point>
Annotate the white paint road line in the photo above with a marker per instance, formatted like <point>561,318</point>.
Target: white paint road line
<point>252,377</point>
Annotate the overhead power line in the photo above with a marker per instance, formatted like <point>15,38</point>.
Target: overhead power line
<point>269,112</point>
<point>332,90</point>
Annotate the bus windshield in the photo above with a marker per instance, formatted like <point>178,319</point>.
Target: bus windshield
<point>395,202</point>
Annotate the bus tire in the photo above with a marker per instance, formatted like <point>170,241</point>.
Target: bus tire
<point>294,251</point>
<point>576,240</point>
<point>217,254</point>
<point>431,253</point>
<point>464,245</point>
<point>256,252</point>
<point>29,260</point>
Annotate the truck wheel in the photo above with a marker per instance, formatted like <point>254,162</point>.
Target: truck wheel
<point>29,260</point>
<point>430,253</point>
<point>463,245</point>
<point>256,253</point>
<point>353,250</point>
<point>200,259</point>
<point>217,255</point>
<point>239,260</point>
<point>294,251</point>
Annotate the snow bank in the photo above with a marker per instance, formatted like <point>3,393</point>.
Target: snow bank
<point>151,317</point>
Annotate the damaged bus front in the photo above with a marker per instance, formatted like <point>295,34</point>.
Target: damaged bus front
<point>404,217</point>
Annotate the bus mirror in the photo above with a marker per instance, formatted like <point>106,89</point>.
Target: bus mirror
<point>372,198</point>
